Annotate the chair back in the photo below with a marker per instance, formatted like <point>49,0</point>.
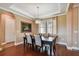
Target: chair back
<point>38,40</point>
<point>29,39</point>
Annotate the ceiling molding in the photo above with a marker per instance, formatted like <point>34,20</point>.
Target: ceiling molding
<point>54,16</point>
<point>13,7</point>
<point>76,5</point>
<point>49,15</point>
<point>19,10</point>
<point>59,7</point>
<point>15,13</point>
<point>67,7</point>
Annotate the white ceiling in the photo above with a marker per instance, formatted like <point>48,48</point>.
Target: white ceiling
<point>30,9</point>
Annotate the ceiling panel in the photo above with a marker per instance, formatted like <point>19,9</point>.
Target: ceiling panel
<point>30,9</point>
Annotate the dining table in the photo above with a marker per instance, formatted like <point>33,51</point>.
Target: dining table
<point>50,42</point>
<point>47,41</point>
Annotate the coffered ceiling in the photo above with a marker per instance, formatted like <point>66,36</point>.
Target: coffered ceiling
<point>30,9</point>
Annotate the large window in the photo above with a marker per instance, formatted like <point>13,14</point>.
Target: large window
<point>42,27</point>
<point>48,26</point>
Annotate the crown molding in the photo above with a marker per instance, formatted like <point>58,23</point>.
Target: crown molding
<point>67,7</point>
<point>13,7</point>
<point>16,13</point>
<point>19,12</point>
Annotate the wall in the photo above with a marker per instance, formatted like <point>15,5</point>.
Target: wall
<point>61,29</point>
<point>2,31</point>
<point>73,27</point>
<point>5,32</point>
<point>35,28</point>
<point>20,35</point>
<point>18,19</point>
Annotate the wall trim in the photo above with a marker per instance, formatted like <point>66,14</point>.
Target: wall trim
<point>13,7</point>
<point>15,44</point>
<point>67,7</point>
<point>1,49</point>
<point>62,43</point>
<point>69,48</point>
<point>75,48</point>
<point>3,43</point>
<point>18,43</point>
<point>16,13</point>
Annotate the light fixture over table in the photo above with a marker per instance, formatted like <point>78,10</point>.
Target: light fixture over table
<point>37,19</point>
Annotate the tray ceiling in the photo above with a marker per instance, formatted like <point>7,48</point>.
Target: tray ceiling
<point>30,9</point>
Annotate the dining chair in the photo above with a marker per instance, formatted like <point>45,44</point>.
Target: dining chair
<point>46,46</point>
<point>38,42</point>
<point>25,39</point>
<point>49,47</point>
<point>29,39</point>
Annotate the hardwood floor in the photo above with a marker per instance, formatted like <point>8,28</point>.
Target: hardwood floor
<point>20,51</point>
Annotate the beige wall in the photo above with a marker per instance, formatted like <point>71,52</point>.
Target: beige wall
<point>35,28</point>
<point>73,27</point>
<point>62,29</point>
<point>68,28</point>
<point>20,35</point>
<point>18,19</point>
<point>2,31</point>
<point>3,20</point>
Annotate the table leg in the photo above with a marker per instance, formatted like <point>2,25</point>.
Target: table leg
<point>50,50</point>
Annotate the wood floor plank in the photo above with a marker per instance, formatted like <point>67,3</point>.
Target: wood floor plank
<point>21,51</point>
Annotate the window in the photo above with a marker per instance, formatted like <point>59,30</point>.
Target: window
<point>48,26</point>
<point>42,27</point>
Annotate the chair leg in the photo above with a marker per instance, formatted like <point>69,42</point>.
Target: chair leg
<point>54,50</point>
<point>45,48</point>
<point>35,47</point>
<point>42,49</point>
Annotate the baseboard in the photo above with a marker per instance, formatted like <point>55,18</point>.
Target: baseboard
<point>1,49</point>
<point>18,43</point>
<point>75,48</point>
<point>4,43</point>
<point>69,48</point>
<point>7,44</point>
<point>61,43</point>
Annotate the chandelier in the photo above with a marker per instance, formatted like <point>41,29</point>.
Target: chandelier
<point>37,20</point>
